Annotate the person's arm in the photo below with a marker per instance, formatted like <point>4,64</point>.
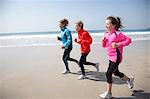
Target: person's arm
<point>87,40</point>
<point>124,40</point>
<point>69,39</point>
<point>104,42</point>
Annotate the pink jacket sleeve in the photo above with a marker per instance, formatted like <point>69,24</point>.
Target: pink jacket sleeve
<point>124,40</point>
<point>104,42</point>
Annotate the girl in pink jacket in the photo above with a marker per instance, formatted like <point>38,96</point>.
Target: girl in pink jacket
<point>114,41</point>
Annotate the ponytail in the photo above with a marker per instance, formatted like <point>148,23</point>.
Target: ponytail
<point>115,21</point>
<point>119,24</point>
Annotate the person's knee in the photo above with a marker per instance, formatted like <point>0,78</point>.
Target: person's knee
<point>109,81</point>
<point>64,58</point>
<point>109,77</point>
<point>81,62</point>
<point>118,74</point>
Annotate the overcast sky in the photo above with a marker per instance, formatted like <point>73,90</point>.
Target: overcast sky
<point>43,15</point>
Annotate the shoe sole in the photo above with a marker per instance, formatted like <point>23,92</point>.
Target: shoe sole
<point>133,84</point>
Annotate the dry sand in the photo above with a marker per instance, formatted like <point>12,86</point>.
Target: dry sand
<point>35,73</point>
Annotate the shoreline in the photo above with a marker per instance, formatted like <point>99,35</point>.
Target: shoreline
<point>56,44</point>
<point>50,40</point>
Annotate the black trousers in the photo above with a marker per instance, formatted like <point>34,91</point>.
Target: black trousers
<point>84,62</point>
<point>113,68</point>
<point>66,57</point>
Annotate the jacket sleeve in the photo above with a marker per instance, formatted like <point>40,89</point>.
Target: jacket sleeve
<point>124,40</point>
<point>69,39</point>
<point>87,39</point>
<point>104,42</point>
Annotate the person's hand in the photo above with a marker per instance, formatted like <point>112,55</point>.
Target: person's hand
<point>103,38</point>
<point>62,47</point>
<point>77,40</point>
<point>58,38</point>
<point>115,45</point>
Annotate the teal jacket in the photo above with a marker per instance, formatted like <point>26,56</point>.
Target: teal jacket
<point>66,37</point>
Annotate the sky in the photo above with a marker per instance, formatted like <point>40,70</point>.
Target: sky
<point>44,15</point>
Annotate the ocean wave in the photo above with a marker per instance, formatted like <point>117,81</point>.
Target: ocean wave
<point>50,39</point>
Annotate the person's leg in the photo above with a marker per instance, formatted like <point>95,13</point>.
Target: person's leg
<point>96,65</point>
<point>109,87</point>
<point>65,58</point>
<point>121,75</point>
<point>110,70</point>
<point>69,58</point>
<point>124,77</point>
<point>112,67</point>
<point>81,62</point>
<point>88,63</point>
<point>118,73</point>
<point>73,60</point>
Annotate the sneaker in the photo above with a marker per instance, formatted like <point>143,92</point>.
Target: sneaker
<point>66,72</point>
<point>130,82</point>
<point>81,77</point>
<point>97,67</point>
<point>106,95</point>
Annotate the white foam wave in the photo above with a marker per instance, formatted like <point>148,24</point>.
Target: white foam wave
<point>50,39</point>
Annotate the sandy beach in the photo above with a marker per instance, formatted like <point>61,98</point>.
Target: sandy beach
<point>35,73</point>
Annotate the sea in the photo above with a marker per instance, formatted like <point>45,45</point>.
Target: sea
<point>25,39</point>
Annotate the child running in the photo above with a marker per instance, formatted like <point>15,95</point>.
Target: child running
<point>85,40</point>
<point>114,41</point>
<point>66,39</point>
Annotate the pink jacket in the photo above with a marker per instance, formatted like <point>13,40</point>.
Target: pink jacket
<point>120,39</point>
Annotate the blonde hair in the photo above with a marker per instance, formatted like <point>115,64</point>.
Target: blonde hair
<point>80,24</point>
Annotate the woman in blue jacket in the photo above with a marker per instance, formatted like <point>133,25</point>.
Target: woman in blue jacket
<point>66,39</point>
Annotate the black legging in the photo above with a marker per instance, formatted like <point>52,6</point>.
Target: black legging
<point>113,68</point>
<point>66,57</point>
<point>84,62</point>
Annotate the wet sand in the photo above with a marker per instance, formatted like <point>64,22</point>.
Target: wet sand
<point>35,73</point>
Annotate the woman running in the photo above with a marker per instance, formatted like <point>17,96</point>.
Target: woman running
<point>85,40</point>
<point>114,41</point>
<point>66,39</point>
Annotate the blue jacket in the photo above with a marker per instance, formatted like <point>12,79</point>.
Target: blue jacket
<point>66,37</point>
